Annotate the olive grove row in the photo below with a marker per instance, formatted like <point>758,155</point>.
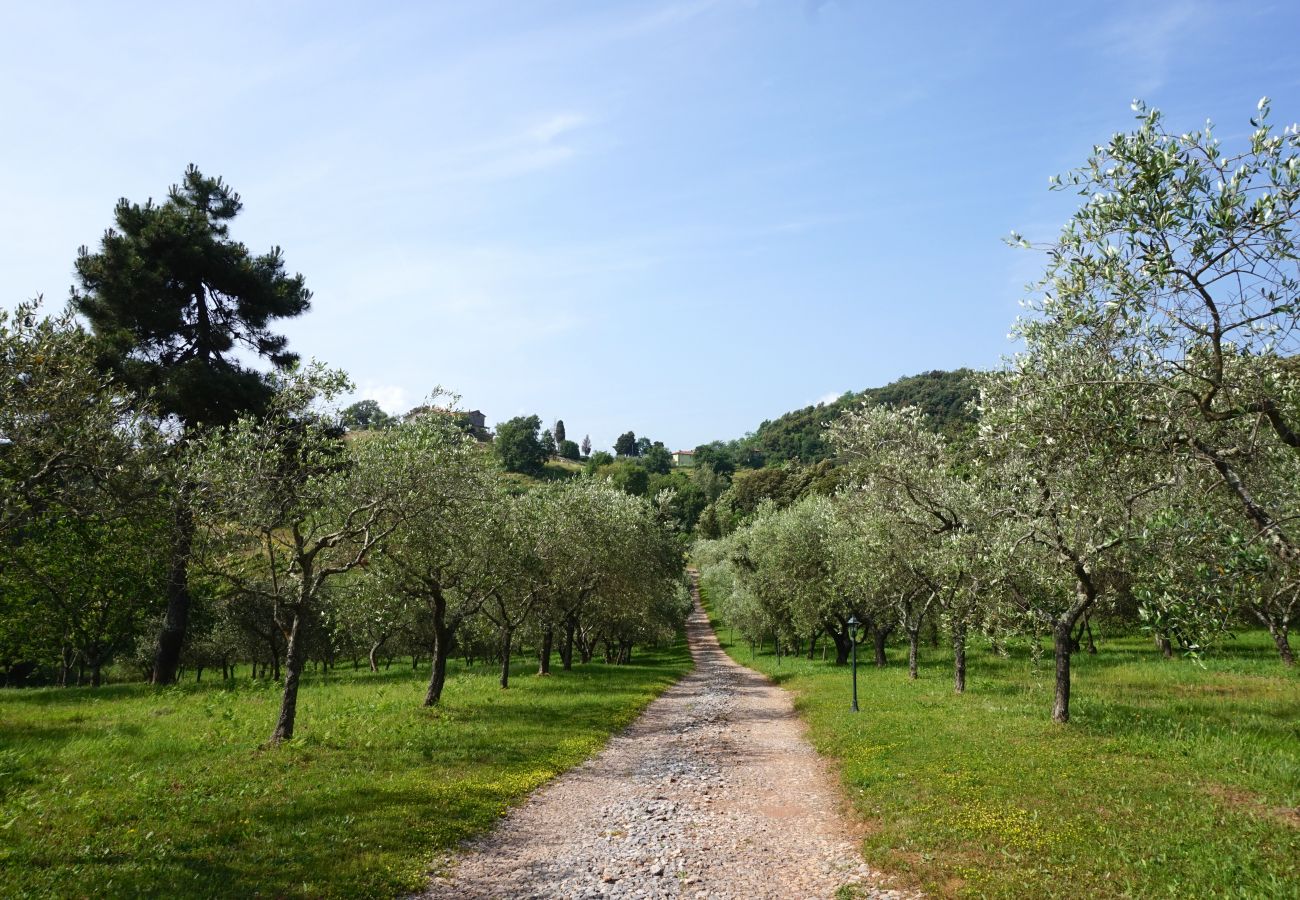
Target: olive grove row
<point>302,541</point>
<point>1141,455</point>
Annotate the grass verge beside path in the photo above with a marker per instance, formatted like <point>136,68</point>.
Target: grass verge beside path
<point>1171,780</point>
<point>127,791</point>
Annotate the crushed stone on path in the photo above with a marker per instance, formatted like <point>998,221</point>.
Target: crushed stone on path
<point>712,793</point>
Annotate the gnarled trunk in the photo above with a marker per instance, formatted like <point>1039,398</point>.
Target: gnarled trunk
<point>843,645</point>
<point>913,649</point>
<point>293,664</point>
<point>1283,644</point>
<point>879,637</point>
<point>442,636</point>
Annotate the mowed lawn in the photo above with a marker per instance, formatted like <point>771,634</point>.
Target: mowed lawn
<point>128,791</point>
<point>1172,779</point>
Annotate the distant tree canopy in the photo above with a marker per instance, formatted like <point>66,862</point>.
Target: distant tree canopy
<point>365,414</point>
<point>518,445</point>
<point>801,434</point>
<point>626,444</point>
<point>656,459</point>
<point>569,450</point>
<point>598,459</point>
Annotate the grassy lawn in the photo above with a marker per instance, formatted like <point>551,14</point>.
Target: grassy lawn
<point>128,791</point>
<point>1171,780</point>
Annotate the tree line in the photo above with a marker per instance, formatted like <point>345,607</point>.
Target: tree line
<point>1138,460</point>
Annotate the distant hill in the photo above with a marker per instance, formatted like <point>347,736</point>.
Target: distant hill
<point>801,434</point>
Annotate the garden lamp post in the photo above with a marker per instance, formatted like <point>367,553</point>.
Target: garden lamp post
<point>853,624</point>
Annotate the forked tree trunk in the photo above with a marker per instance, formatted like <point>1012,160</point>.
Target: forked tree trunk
<point>374,653</point>
<point>293,663</point>
<point>544,654</point>
<point>171,638</point>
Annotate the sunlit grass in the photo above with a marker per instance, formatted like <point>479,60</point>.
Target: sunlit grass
<point>128,791</point>
<point>1172,779</point>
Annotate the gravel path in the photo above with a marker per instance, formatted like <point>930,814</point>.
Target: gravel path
<point>713,792</point>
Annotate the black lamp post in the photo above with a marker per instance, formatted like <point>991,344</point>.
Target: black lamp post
<point>853,624</point>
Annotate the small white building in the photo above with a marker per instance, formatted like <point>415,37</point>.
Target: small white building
<point>684,458</point>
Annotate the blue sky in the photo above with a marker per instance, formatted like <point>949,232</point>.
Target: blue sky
<point>679,217</point>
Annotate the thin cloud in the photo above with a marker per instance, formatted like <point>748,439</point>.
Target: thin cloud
<point>1147,41</point>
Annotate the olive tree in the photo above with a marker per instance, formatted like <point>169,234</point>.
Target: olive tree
<point>1184,267</point>
<point>292,506</point>
<point>1064,512</point>
<point>923,499</point>
<point>441,566</point>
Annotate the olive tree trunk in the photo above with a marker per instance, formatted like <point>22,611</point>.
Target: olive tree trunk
<point>507,639</point>
<point>959,658</point>
<point>293,662</point>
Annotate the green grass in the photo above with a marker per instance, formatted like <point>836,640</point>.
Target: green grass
<point>1171,780</point>
<point>128,791</point>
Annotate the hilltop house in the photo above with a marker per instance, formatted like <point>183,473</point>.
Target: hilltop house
<point>684,458</point>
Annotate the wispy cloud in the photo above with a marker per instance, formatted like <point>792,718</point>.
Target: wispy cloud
<point>1147,39</point>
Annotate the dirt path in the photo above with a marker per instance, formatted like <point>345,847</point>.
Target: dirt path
<point>713,792</point>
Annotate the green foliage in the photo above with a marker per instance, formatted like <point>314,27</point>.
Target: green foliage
<point>598,461</point>
<point>175,301</point>
<point>627,476</point>
<point>569,450</point>
<point>943,397</point>
<point>626,444</point>
<point>128,792</point>
<point>518,445</point>
<point>365,414</point>
<point>657,460</point>
<point>80,504</point>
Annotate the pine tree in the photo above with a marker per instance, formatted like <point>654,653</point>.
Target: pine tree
<point>174,302</point>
